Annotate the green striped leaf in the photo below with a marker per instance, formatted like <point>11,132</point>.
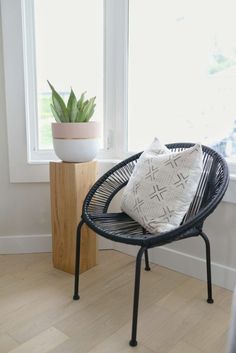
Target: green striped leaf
<point>74,111</point>
<point>89,109</point>
<point>59,105</point>
<point>81,101</point>
<point>54,113</point>
<point>72,107</point>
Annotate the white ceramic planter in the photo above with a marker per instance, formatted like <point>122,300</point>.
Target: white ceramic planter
<point>76,142</point>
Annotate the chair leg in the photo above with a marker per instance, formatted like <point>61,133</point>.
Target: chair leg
<point>208,267</point>
<point>147,267</point>
<point>77,261</point>
<point>133,341</point>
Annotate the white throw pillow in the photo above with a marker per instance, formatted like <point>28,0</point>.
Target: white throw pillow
<point>162,186</point>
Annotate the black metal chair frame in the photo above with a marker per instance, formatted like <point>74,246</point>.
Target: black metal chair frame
<point>121,228</point>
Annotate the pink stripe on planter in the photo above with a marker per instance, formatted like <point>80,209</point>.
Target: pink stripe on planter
<point>92,129</point>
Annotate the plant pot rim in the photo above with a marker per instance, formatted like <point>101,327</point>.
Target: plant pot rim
<point>90,129</point>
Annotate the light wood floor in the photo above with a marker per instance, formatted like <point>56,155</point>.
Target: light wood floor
<point>38,315</point>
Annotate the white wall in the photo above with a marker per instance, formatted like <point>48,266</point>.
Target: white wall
<point>25,210</point>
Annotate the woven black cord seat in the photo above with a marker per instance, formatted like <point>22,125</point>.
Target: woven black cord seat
<point>121,228</point>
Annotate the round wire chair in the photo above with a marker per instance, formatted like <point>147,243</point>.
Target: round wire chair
<point>120,227</point>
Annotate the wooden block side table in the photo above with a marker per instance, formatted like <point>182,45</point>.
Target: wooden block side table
<point>69,184</point>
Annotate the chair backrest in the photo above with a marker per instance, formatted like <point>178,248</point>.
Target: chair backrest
<point>211,188</point>
<point>213,181</point>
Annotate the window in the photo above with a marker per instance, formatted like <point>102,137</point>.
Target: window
<point>182,73</point>
<point>160,68</point>
<point>67,50</point>
<point>28,161</point>
<point>181,69</point>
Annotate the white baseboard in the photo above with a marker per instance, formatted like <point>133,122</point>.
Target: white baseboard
<point>24,244</point>
<point>222,275</point>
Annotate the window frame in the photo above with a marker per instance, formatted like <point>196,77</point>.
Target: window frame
<point>25,164</point>
<point>34,155</point>
<point>19,167</point>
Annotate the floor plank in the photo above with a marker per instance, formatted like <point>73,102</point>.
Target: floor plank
<point>43,343</point>
<point>7,343</point>
<point>38,314</point>
<point>184,347</point>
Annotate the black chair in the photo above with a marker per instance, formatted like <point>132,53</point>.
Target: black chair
<point>120,227</point>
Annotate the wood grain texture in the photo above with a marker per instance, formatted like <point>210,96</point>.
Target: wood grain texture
<point>69,184</point>
<point>38,314</point>
<point>42,343</point>
<point>6,343</point>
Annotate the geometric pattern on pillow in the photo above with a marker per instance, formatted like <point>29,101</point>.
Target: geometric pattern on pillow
<point>162,187</point>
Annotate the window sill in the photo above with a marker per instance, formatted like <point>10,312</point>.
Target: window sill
<point>40,173</point>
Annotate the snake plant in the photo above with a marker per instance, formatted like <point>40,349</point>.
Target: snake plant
<point>74,111</point>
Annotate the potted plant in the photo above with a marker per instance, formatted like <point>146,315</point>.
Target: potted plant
<point>75,137</point>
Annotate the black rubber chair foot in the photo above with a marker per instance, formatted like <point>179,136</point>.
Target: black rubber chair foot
<point>210,301</point>
<point>133,343</point>
<point>147,269</point>
<point>76,296</point>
